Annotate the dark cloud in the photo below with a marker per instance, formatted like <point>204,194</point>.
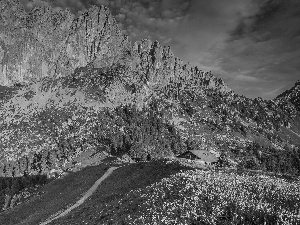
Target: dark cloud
<point>264,47</point>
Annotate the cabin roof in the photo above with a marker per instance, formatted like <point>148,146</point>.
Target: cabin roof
<point>203,155</point>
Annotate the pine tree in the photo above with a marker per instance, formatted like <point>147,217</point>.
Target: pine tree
<point>16,186</point>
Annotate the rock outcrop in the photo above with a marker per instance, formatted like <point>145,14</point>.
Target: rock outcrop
<point>51,43</point>
<point>159,66</point>
<point>292,95</point>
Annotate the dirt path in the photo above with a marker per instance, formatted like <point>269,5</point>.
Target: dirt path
<point>295,133</point>
<point>86,195</point>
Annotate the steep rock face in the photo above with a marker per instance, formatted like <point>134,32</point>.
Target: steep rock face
<point>160,68</point>
<point>292,95</point>
<point>51,43</point>
<point>95,38</point>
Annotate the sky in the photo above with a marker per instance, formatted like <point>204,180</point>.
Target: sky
<point>253,45</point>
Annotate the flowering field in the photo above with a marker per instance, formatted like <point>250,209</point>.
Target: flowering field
<point>208,197</point>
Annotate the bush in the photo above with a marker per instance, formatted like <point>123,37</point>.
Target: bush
<point>13,185</point>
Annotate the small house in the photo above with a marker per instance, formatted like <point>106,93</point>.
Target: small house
<point>201,156</point>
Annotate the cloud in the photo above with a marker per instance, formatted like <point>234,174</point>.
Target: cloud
<point>245,78</point>
<point>34,3</point>
<point>102,2</point>
<point>266,45</point>
<point>120,17</point>
<point>208,24</point>
<point>74,6</point>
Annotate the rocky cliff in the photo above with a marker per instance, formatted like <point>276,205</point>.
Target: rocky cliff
<point>51,43</point>
<point>292,95</point>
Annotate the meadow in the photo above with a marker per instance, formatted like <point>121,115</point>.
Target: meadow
<point>209,197</point>
<point>166,192</point>
<point>53,197</point>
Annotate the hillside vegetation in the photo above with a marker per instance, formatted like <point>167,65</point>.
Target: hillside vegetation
<point>205,197</point>
<point>74,87</point>
<point>167,192</point>
<point>53,197</point>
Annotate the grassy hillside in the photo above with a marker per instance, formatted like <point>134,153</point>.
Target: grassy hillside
<point>53,197</point>
<point>164,192</point>
<point>135,195</point>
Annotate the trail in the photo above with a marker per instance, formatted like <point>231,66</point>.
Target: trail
<point>295,133</point>
<point>86,195</point>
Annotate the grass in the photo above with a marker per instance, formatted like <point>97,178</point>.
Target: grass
<point>115,187</point>
<point>165,192</point>
<point>57,195</point>
<point>157,193</point>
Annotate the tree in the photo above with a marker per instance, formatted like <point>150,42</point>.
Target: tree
<point>148,157</point>
<point>223,161</point>
<point>16,186</point>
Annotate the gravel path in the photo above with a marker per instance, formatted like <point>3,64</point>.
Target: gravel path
<point>84,197</point>
<point>295,133</point>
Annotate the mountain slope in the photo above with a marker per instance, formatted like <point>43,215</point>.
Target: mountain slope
<point>76,87</point>
<point>166,192</point>
<point>53,197</point>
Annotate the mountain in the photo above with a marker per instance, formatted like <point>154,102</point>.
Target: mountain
<point>292,95</point>
<point>74,87</point>
<point>50,43</point>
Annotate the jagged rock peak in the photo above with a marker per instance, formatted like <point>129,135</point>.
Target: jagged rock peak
<point>292,95</point>
<point>53,43</point>
<point>161,64</point>
<point>295,88</point>
<point>152,48</point>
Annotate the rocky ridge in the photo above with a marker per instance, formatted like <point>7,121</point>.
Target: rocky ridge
<point>292,95</point>
<point>48,42</point>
